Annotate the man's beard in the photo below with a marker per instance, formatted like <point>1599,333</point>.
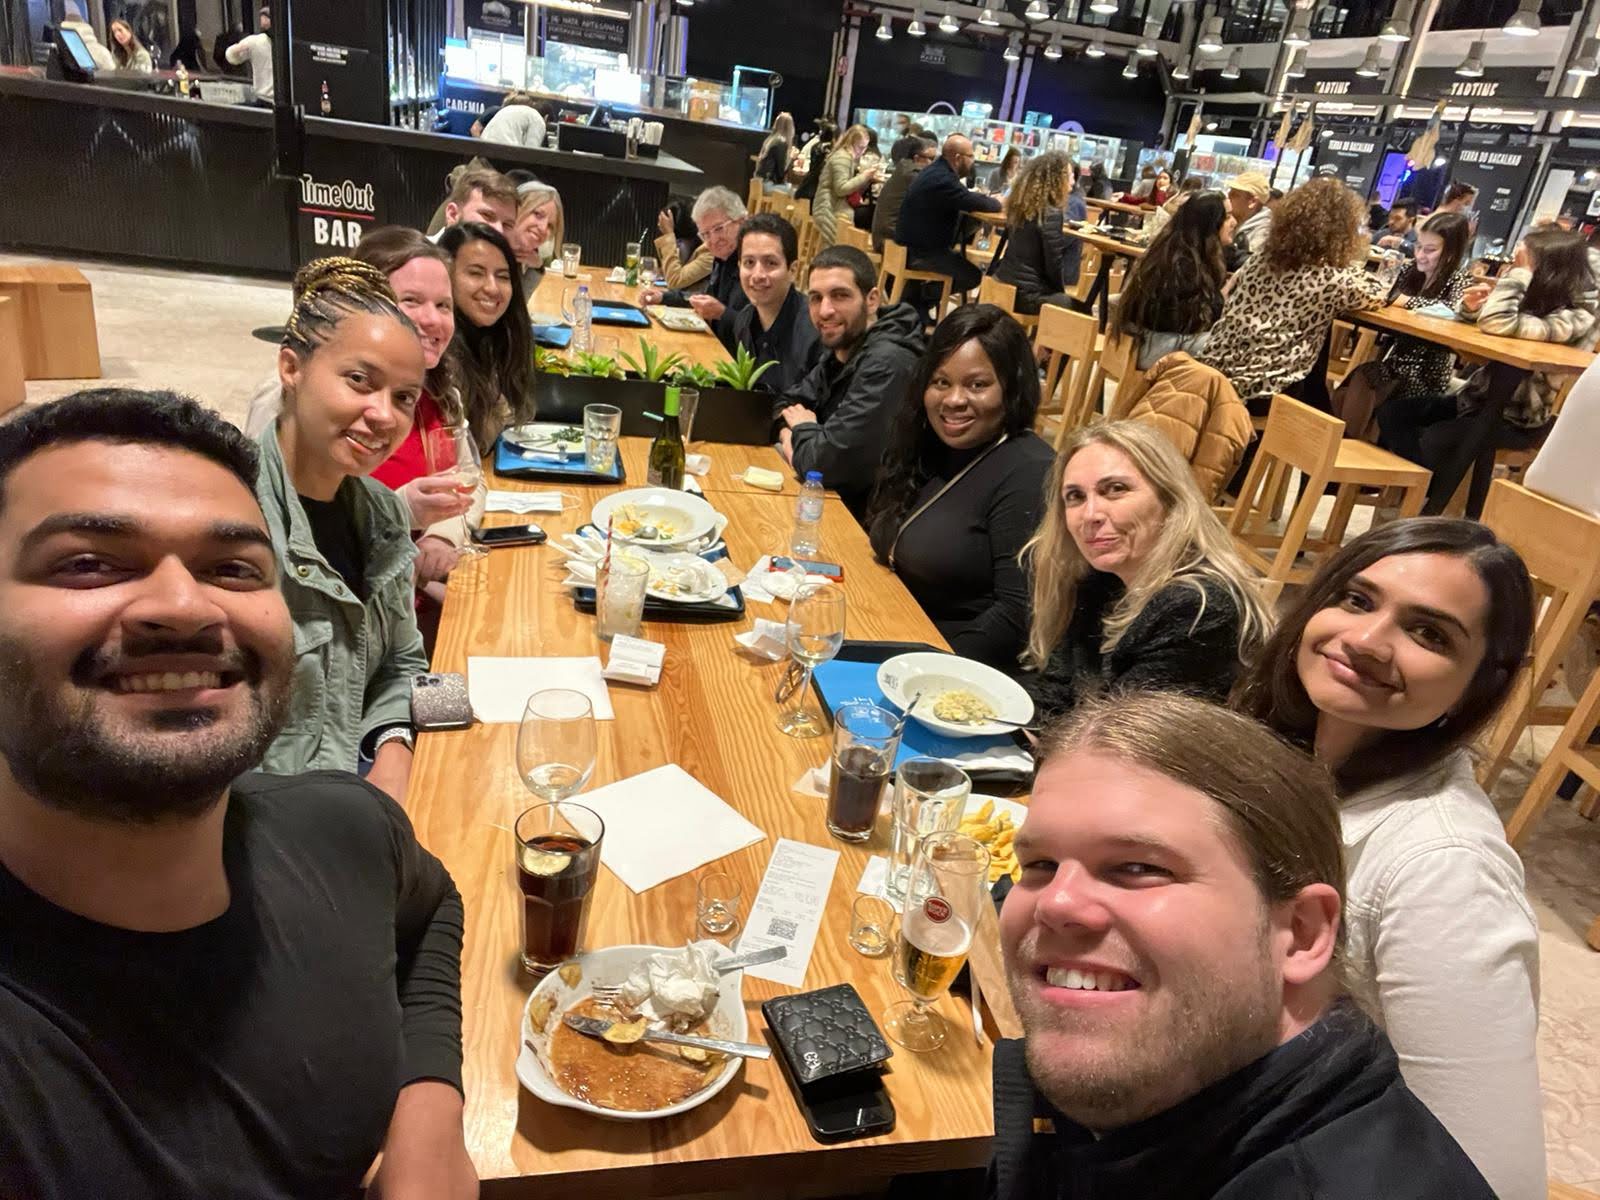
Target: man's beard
<point>66,756</point>
<point>1221,1026</point>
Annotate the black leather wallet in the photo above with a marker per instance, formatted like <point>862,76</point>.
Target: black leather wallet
<point>825,1033</point>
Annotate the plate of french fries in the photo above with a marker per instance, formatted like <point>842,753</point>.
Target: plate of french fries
<point>994,822</point>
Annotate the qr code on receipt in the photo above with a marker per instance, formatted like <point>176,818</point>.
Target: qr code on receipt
<point>782,927</point>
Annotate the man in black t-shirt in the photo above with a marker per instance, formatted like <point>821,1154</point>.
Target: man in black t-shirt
<point>213,984</point>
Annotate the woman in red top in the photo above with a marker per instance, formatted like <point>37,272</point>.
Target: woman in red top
<point>419,273</point>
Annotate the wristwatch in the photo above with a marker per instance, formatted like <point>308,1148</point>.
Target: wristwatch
<point>395,733</point>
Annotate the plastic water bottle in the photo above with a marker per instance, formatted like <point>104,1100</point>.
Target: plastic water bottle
<point>806,540</point>
<point>582,321</point>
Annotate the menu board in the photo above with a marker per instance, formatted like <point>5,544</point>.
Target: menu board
<point>1502,175</point>
<point>1353,157</point>
<point>496,16</point>
<point>585,29</point>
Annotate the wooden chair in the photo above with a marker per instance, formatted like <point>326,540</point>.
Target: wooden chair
<point>12,389</point>
<point>1348,347</point>
<point>1369,476</point>
<point>757,196</point>
<point>1558,545</point>
<point>1068,339</point>
<point>59,340</point>
<point>895,268</point>
<point>849,235</point>
<point>1117,360</point>
<point>1296,437</point>
<point>810,243</point>
<point>1088,268</point>
<point>1004,296</point>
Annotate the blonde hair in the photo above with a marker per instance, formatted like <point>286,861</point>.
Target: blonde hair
<point>782,131</point>
<point>531,196</point>
<point>856,133</point>
<point>1193,548</point>
<point>1041,185</point>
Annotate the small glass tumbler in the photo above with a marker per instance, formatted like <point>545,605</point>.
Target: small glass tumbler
<point>717,898</point>
<point>871,926</point>
<point>619,596</point>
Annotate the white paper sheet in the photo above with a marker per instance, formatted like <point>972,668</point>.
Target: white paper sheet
<point>499,687</point>
<point>664,823</point>
<point>523,502</point>
<point>788,909</point>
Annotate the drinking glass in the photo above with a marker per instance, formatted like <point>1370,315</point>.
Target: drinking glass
<point>558,859</point>
<point>688,405</point>
<point>649,269</point>
<point>451,449</point>
<point>602,425</point>
<point>871,926</point>
<point>571,255</point>
<point>556,743</point>
<point>930,796</point>
<point>948,886</point>
<point>865,741</point>
<point>717,898</point>
<point>620,585</point>
<point>815,631</point>
<point>630,264</point>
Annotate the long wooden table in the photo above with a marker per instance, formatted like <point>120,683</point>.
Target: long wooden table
<point>1117,206</point>
<point>713,714</point>
<point>702,348</point>
<point>1466,339</point>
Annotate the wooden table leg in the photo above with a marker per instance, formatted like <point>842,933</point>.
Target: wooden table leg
<point>1412,499</point>
<point>1344,503</point>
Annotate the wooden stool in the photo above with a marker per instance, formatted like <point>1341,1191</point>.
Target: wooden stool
<point>810,243</point>
<point>1068,339</point>
<point>58,330</point>
<point>1558,545</point>
<point>1297,437</point>
<point>12,391</point>
<point>894,267</point>
<point>1361,464</point>
<point>1004,296</point>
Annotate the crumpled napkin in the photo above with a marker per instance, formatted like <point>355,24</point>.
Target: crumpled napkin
<point>677,983</point>
<point>524,502</point>
<point>767,639</point>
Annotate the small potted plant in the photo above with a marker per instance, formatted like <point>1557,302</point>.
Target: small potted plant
<point>731,410</point>
<point>565,384</point>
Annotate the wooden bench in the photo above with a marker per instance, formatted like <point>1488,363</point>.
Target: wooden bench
<point>59,340</point>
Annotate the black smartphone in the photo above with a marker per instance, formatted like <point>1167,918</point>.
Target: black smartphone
<point>811,566</point>
<point>509,535</point>
<point>842,1108</point>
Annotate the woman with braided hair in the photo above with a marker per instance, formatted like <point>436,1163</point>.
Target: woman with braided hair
<point>351,370</point>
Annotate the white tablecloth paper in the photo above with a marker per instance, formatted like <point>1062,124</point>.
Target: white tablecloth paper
<point>788,909</point>
<point>664,823</point>
<point>499,687</point>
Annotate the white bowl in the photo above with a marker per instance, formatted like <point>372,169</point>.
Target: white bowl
<point>691,516</point>
<point>901,678</point>
<point>706,583</point>
<point>728,1020</point>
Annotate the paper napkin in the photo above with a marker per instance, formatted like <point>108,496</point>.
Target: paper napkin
<point>499,687</point>
<point>635,660</point>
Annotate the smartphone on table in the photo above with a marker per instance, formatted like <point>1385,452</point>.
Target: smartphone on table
<point>811,566</point>
<point>509,535</point>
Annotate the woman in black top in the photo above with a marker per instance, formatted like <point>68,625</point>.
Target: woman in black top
<point>1041,261</point>
<point>1173,296</point>
<point>961,485</point>
<point>772,160</point>
<point>1136,583</point>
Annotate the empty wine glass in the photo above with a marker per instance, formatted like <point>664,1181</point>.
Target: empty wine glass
<point>816,631</point>
<point>556,744</point>
<point>451,449</point>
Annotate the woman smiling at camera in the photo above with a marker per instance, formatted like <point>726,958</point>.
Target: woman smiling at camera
<point>492,334</point>
<point>1136,584</point>
<point>352,370</point>
<point>1397,654</point>
<point>962,483</point>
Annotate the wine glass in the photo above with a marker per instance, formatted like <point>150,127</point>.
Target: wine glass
<point>451,449</point>
<point>944,897</point>
<point>556,744</point>
<point>815,631</point>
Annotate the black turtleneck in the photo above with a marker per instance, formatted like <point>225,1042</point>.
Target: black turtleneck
<point>1325,1116</point>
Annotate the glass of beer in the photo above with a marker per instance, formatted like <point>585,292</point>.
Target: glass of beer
<point>865,741</point>
<point>945,894</point>
<point>558,859</point>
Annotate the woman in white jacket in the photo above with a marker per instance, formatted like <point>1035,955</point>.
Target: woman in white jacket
<point>1400,650</point>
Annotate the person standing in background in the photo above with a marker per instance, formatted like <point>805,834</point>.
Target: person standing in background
<point>128,50</point>
<point>519,122</point>
<point>841,177</point>
<point>257,51</point>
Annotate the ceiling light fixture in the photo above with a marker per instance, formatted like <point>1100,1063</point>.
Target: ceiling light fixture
<point>1587,64</point>
<point>1013,50</point>
<point>1147,48</point>
<point>1131,71</point>
<point>1398,27</point>
<point>1298,35</point>
<point>1372,65</point>
<point>1036,11</point>
<point>1104,7</point>
<point>1182,69</point>
<point>1053,47</point>
<point>917,28</point>
<point>948,22</point>
<point>884,33</point>
<point>1297,66</point>
<point>1525,21</point>
<point>987,17</point>
<point>1472,65</point>
<point>1211,36</point>
<point>1231,71</point>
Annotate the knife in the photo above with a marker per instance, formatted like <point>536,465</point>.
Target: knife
<point>754,958</point>
<point>596,1028</point>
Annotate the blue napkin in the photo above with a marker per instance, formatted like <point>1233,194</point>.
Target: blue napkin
<point>841,680</point>
<point>1442,311</point>
<point>508,460</point>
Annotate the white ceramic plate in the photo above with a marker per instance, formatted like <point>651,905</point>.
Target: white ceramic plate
<point>539,438</point>
<point>902,677</point>
<point>728,1020</point>
<point>697,581</point>
<point>680,320</point>
<point>683,515</point>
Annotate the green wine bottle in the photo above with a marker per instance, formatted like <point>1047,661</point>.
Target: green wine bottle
<point>666,452</point>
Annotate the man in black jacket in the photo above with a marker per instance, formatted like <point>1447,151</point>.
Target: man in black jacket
<point>919,157</point>
<point>836,420</point>
<point>775,326</point>
<point>1173,948</point>
<point>717,213</point>
<point>930,218</point>
<point>212,982</point>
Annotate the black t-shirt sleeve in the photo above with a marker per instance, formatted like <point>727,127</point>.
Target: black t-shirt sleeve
<point>428,925</point>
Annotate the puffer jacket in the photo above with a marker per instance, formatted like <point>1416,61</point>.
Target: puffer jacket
<point>834,187</point>
<point>1198,410</point>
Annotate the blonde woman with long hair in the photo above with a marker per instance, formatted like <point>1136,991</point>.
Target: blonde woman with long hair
<point>772,160</point>
<point>840,177</point>
<point>1136,584</point>
<point>538,231</point>
<point>1040,261</point>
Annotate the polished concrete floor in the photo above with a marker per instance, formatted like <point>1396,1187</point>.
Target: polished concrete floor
<point>192,333</point>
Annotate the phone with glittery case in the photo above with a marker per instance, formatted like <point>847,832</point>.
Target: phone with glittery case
<point>439,701</point>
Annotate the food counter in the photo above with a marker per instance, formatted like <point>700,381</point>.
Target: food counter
<point>194,183</point>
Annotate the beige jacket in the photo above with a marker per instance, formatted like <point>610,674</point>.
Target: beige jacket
<point>1198,410</point>
<point>682,274</point>
<point>832,203</point>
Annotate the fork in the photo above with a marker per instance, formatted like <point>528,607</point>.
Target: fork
<point>609,993</point>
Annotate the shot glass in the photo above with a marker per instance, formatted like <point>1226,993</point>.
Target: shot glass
<point>619,596</point>
<point>871,926</point>
<point>571,254</point>
<point>717,900</point>
<point>602,425</point>
<point>649,270</point>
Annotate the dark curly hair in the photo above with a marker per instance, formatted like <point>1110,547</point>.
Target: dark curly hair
<point>1316,225</point>
<point>914,448</point>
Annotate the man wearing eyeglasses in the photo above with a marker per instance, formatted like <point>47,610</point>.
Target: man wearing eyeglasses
<point>717,214</point>
<point>931,216</point>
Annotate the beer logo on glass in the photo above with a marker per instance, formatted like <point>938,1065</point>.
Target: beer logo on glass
<point>936,909</point>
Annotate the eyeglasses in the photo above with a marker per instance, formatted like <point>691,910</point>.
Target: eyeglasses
<point>707,234</point>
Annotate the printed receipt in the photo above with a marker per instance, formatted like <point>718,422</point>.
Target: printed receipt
<point>788,909</point>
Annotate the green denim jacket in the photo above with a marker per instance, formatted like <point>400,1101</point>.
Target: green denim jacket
<point>353,662</point>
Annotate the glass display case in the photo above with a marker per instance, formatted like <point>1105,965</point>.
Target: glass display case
<point>991,139</point>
